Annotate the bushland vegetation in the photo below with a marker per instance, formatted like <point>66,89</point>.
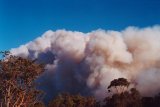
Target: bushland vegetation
<point>18,89</point>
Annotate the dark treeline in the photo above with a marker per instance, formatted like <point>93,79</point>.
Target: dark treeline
<point>121,97</point>
<point>18,89</point>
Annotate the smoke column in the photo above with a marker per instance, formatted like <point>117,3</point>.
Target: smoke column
<point>86,63</point>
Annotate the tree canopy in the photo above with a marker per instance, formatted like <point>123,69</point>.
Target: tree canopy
<point>17,81</point>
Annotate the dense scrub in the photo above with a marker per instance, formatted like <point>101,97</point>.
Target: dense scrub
<point>18,89</point>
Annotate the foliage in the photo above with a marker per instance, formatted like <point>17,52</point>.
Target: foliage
<point>18,89</point>
<point>151,101</point>
<point>67,100</point>
<point>17,86</point>
<point>119,84</point>
<point>123,98</point>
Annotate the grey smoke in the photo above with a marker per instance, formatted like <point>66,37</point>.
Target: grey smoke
<point>86,62</point>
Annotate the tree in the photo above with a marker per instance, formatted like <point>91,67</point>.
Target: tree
<point>123,97</point>
<point>17,81</point>
<point>119,84</point>
<point>67,100</point>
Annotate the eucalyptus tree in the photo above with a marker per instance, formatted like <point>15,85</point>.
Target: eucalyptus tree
<point>17,81</point>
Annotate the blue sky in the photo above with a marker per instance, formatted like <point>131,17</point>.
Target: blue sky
<point>24,20</point>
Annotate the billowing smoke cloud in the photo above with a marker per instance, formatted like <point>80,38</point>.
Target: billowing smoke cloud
<point>85,63</point>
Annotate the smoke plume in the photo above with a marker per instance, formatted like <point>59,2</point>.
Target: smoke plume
<point>86,63</point>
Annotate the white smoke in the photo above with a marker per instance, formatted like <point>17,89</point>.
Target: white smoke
<point>87,62</point>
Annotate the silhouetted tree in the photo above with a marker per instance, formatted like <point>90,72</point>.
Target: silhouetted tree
<point>119,84</point>
<point>151,101</point>
<point>157,100</point>
<point>67,100</point>
<point>123,97</point>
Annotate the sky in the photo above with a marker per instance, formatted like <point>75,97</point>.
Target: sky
<point>24,20</point>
